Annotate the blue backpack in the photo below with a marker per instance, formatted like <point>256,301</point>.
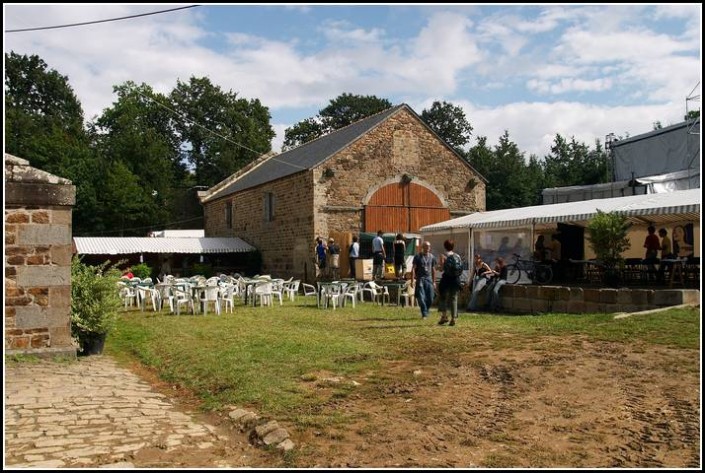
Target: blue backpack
<point>453,265</point>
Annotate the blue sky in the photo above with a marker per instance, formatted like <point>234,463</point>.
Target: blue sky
<point>534,70</point>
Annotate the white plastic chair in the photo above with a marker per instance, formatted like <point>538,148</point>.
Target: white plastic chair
<point>228,292</point>
<point>263,292</point>
<point>377,292</point>
<point>278,290</point>
<point>351,293</point>
<point>407,294</point>
<point>127,293</point>
<point>182,296</point>
<point>309,291</point>
<point>291,288</point>
<point>332,294</point>
<point>208,295</point>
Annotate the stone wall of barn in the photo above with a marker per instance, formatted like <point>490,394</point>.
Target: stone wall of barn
<point>38,251</point>
<point>286,242</point>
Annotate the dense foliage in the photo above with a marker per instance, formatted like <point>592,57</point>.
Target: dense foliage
<point>607,235</point>
<point>95,301</point>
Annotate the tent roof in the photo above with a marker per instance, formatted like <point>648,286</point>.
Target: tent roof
<point>132,245</point>
<point>662,208</point>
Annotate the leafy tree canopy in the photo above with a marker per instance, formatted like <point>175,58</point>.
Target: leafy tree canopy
<point>449,122</point>
<point>340,112</point>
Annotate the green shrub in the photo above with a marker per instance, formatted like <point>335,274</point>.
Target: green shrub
<point>142,271</point>
<point>202,269</point>
<point>95,300</point>
<point>608,237</point>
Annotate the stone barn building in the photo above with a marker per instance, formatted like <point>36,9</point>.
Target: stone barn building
<point>387,172</point>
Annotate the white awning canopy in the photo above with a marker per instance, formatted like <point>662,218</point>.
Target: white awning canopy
<point>133,245</point>
<point>661,208</point>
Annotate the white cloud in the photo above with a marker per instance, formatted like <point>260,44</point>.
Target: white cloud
<point>533,126</point>
<point>569,85</point>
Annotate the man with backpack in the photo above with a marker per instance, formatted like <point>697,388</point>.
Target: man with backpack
<point>449,286</point>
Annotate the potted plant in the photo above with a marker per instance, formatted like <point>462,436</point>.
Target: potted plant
<point>608,239</point>
<point>95,303</point>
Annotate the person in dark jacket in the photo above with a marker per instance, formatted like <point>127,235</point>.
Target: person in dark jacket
<point>449,286</point>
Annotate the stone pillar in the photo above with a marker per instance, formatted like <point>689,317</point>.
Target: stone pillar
<point>38,250</point>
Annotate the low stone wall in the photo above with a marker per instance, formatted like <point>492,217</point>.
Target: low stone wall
<point>38,251</point>
<point>577,300</point>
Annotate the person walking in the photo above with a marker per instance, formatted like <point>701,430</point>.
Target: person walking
<point>423,269</point>
<point>378,256</point>
<point>399,256</point>
<point>354,255</point>
<point>449,286</point>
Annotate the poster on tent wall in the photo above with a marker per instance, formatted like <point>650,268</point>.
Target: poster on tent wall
<point>503,243</point>
<point>460,240</point>
<point>683,241</point>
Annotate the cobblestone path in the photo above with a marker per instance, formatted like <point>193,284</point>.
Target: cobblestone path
<point>93,412</point>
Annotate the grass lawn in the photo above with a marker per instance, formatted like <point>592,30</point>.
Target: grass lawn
<point>261,358</point>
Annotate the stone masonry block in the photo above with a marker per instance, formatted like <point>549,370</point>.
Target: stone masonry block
<point>624,296</point>
<point>44,235</point>
<point>61,255</point>
<point>667,298</point>
<point>60,336</point>
<point>30,317</point>
<point>592,295</point>
<point>642,296</point>
<point>40,216</point>
<point>17,217</point>
<point>60,296</point>
<point>43,276</point>
<point>608,296</point>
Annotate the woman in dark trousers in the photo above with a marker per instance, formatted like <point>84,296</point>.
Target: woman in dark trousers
<point>399,256</point>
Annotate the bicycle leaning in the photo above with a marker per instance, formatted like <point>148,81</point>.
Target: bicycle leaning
<point>536,271</point>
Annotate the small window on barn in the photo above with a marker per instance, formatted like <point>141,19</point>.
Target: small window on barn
<point>268,206</point>
<point>229,214</point>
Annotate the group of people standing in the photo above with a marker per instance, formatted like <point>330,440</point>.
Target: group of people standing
<point>328,257</point>
<point>653,245</point>
<point>424,273</point>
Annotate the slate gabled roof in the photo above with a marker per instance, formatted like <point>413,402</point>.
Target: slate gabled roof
<point>304,157</point>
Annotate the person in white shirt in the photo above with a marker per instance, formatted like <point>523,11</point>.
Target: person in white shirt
<point>378,256</point>
<point>353,254</point>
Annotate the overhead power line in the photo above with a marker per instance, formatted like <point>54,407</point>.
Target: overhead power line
<point>98,21</point>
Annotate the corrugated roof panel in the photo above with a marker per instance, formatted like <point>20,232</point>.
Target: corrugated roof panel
<point>661,207</point>
<point>132,245</point>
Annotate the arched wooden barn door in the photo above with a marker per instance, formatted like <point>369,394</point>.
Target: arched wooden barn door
<point>403,207</point>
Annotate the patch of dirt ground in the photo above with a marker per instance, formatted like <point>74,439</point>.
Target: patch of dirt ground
<point>569,403</point>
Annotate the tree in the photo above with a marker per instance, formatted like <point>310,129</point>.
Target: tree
<point>220,132</point>
<point>341,111</point>
<point>607,235</point>
<point>43,116</point>
<point>511,183</point>
<point>44,124</point>
<point>449,122</point>
<point>139,147</point>
<point>302,132</point>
